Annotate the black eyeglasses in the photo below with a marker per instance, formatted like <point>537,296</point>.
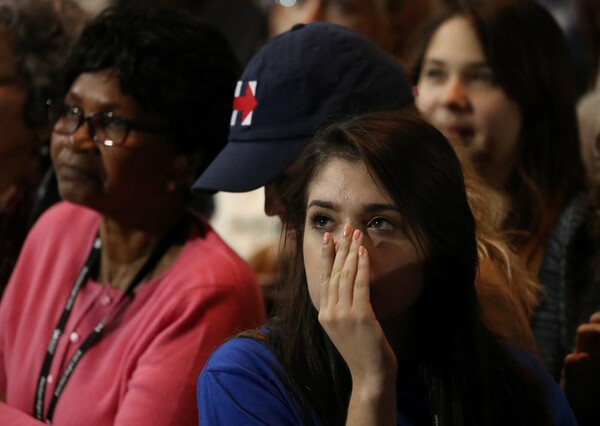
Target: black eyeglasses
<point>104,127</point>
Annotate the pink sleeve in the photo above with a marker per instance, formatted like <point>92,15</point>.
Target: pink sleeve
<point>14,416</point>
<point>2,362</point>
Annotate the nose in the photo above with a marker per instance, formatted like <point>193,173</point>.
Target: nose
<point>83,136</point>
<point>455,94</point>
<point>338,233</point>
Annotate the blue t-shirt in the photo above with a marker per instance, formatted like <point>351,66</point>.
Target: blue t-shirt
<point>241,385</point>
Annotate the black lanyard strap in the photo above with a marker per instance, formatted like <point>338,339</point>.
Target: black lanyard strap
<point>38,408</point>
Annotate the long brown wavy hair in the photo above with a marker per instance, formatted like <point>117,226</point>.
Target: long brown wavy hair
<point>466,374</point>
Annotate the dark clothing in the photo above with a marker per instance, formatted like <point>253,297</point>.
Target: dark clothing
<point>570,276</point>
<point>33,195</point>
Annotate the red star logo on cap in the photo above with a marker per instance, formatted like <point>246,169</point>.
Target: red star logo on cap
<point>245,103</point>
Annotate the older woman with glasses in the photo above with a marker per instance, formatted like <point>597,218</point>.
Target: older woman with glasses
<point>121,292</point>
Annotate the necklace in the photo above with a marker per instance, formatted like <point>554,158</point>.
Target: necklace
<point>92,260</point>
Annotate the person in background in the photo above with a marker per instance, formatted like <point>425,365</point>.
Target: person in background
<point>241,22</point>
<point>382,324</point>
<point>570,317</point>
<point>588,107</point>
<point>121,292</point>
<point>35,38</point>
<point>238,217</point>
<point>565,14</point>
<point>581,373</point>
<point>348,74</point>
<point>389,23</point>
<point>501,90</point>
<point>276,100</point>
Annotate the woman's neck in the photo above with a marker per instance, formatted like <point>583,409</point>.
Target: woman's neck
<point>125,249</point>
<point>399,332</point>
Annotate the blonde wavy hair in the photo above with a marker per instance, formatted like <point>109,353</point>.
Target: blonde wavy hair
<point>489,208</point>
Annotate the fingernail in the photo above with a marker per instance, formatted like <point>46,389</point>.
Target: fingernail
<point>326,238</point>
<point>347,230</point>
<point>361,251</point>
<point>356,235</point>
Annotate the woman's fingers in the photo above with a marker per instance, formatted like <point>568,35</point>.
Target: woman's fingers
<point>362,297</point>
<point>343,245</point>
<point>344,270</point>
<point>327,256</point>
<point>595,318</point>
<point>588,339</point>
<point>348,276</point>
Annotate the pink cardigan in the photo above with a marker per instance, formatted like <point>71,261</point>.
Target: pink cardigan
<point>143,370</point>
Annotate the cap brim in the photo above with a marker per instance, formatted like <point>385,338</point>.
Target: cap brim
<point>245,166</point>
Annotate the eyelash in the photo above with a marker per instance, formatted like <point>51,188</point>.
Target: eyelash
<point>483,77</point>
<point>317,219</point>
<point>380,219</point>
<point>434,73</point>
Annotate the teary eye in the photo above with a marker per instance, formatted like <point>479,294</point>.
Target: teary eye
<point>321,222</point>
<point>380,223</point>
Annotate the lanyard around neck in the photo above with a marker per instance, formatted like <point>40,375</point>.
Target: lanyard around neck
<point>38,408</point>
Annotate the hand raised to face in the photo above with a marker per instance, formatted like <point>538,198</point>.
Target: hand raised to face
<point>581,372</point>
<point>345,310</point>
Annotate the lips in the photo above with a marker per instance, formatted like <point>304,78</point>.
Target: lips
<point>76,172</point>
<point>462,131</point>
<point>458,133</point>
<point>66,171</point>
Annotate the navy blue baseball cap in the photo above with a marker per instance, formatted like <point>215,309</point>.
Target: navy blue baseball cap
<point>297,82</point>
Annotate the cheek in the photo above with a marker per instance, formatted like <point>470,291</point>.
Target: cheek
<point>55,147</point>
<point>499,123</point>
<point>312,267</point>
<point>425,100</point>
<point>396,290</point>
<point>496,114</point>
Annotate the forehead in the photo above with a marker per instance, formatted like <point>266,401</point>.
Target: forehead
<point>346,181</point>
<point>101,88</point>
<point>455,40</point>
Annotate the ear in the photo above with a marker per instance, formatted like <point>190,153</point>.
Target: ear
<point>185,168</point>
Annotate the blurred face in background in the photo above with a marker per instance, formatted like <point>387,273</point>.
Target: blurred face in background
<point>589,132</point>
<point>18,141</point>
<point>387,22</point>
<point>458,91</point>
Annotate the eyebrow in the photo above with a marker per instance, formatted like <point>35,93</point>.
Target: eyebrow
<point>104,106</point>
<point>469,64</point>
<point>373,207</point>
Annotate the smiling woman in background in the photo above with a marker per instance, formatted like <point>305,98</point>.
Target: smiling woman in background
<point>121,292</point>
<point>500,88</point>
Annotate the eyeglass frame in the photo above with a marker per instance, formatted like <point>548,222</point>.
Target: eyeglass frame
<point>92,120</point>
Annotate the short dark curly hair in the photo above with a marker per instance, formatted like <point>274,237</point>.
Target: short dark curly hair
<point>172,64</point>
